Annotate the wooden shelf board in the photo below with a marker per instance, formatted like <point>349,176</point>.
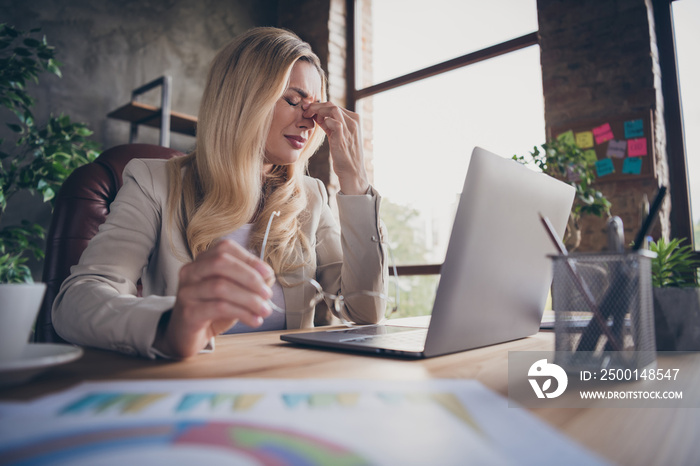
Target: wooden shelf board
<point>148,115</point>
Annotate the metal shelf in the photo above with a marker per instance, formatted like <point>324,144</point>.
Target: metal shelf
<point>138,113</point>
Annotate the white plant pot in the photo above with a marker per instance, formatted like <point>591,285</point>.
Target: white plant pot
<point>677,319</point>
<point>19,306</point>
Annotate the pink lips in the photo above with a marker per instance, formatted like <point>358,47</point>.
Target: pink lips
<point>296,142</point>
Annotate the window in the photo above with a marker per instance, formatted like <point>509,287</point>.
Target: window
<point>687,36</point>
<point>435,80</point>
<point>409,35</point>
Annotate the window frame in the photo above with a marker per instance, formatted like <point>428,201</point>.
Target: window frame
<point>681,218</point>
<point>676,154</point>
<point>354,94</point>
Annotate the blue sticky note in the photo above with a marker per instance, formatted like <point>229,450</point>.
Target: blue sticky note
<point>634,129</point>
<point>604,167</point>
<point>632,166</point>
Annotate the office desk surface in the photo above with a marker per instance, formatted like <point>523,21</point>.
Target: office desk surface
<point>633,436</point>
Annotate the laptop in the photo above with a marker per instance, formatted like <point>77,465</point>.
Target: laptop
<point>496,274</point>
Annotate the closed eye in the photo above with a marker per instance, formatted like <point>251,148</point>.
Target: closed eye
<point>292,102</point>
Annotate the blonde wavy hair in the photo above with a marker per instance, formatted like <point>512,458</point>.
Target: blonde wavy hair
<point>221,186</point>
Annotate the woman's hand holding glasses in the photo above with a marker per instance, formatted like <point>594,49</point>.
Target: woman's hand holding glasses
<point>221,286</point>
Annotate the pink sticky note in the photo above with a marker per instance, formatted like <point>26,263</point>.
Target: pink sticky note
<point>637,147</point>
<point>603,133</point>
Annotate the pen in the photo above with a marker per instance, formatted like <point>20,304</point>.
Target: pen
<point>553,235</point>
<point>616,235</point>
<point>613,303</point>
<point>645,208</point>
<point>644,215</point>
<point>649,219</point>
<point>615,245</point>
<point>580,283</point>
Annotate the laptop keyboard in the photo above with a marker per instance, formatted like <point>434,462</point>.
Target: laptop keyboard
<point>407,339</point>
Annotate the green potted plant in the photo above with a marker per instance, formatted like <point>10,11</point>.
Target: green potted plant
<point>567,162</point>
<point>33,158</point>
<point>676,295</point>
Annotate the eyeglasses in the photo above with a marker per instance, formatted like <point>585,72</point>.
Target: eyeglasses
<point>336,303</point>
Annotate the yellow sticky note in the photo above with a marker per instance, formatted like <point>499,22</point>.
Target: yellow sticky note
<point>584,140</point>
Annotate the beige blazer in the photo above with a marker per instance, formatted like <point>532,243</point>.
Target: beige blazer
<point>97,304</point>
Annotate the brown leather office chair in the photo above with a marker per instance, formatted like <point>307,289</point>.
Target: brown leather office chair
<point>81,206</point>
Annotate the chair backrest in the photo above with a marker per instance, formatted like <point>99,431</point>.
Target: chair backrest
<point>81,206</point>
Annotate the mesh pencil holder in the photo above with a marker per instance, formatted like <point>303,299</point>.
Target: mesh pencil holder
<point>604,314</point>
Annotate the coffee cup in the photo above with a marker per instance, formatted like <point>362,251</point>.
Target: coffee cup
<point>19,306</point>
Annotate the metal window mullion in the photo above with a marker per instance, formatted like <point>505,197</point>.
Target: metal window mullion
<point>449,65</point>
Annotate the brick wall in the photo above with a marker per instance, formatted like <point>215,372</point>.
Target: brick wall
<point>309,19</point>
<point>323,24</point>
<point>599,60</point>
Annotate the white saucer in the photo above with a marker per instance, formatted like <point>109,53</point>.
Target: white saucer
<point>36,358</point>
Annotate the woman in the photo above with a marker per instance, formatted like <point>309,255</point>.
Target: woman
<point>263,114</point>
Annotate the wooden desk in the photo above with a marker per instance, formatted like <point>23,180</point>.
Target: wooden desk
<point>623,435</point>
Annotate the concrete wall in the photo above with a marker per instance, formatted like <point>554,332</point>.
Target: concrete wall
<point>110,47</point>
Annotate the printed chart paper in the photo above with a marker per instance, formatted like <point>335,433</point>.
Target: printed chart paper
<point>277,422</point>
